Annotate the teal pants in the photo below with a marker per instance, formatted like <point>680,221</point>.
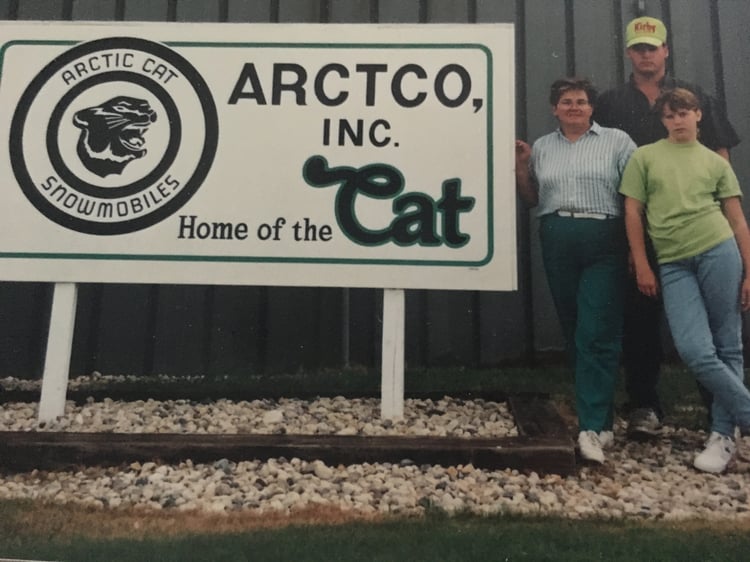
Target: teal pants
<point>586,265</point>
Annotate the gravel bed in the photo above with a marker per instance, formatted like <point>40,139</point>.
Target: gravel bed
<point>324,416</point>
<point>653,480</point>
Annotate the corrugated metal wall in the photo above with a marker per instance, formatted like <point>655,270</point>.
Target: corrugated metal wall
<point>140,329</point>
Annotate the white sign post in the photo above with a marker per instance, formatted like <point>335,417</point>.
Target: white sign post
<point>59,347</point>
<point>258,154</point>
<point>392,372</point>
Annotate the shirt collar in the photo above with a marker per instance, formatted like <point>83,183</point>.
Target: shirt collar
<point>667,82</point>
<point>594,129</point>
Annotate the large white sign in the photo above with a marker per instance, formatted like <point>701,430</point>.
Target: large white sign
<point>318,155</point>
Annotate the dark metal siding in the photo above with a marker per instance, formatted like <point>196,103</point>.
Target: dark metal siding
<point>139,329</point>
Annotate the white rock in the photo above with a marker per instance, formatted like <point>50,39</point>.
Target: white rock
<point>273,417</point>
<point>322,471</point>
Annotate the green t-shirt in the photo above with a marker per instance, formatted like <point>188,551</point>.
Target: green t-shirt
<point>681,185</point>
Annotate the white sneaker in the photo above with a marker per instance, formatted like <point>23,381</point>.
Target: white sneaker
<point>607,439</point>
<point>590,446</point>
<point>717,455</point>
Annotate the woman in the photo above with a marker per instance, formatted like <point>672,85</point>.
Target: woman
<point>691,200</point>
<point>573,174</point>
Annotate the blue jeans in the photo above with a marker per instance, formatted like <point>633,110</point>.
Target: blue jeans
<point>702,303</point>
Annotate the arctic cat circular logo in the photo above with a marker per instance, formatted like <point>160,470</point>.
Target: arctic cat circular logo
<point>113,136</point>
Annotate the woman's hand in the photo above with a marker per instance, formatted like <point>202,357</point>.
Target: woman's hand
<point>525,182</point>
<point>523,154</point>
<point>647,283</point>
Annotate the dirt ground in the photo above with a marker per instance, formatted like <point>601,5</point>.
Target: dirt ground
<point>61,521</point>
<point>41,519</point>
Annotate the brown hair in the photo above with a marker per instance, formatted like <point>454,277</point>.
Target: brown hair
<point>676,99</point>
<point>565,85</point>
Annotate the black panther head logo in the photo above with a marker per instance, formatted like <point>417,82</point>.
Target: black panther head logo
<point>112,134</point>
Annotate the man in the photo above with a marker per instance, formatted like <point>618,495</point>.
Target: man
<point>630,108</point>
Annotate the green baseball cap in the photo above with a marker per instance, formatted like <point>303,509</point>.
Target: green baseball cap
<point>645,30</point>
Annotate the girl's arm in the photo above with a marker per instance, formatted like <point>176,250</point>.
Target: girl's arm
<point>635,229</point>
<point>732,209</point>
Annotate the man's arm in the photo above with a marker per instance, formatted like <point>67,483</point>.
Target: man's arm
<point>723,135</point>
<point>716,132</point>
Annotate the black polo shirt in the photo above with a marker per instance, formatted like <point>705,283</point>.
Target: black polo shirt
<point>628,109</point>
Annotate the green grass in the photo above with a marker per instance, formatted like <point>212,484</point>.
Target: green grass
<point>433,538</point>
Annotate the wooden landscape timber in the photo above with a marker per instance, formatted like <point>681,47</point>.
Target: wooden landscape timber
<point>543,445</point>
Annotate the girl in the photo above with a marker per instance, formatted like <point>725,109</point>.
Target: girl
<point>690,199</point>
